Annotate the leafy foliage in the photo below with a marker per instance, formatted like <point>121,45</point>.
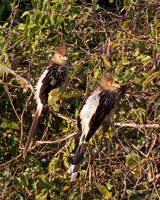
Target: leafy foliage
<point>120,163</point>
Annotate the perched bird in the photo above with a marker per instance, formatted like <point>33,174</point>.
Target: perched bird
<point>97,107</point>
<point>53,76</point>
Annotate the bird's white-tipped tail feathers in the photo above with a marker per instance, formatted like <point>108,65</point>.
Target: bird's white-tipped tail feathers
<point>33,128</point>
<point>77,159</point>
<point>74,174</point>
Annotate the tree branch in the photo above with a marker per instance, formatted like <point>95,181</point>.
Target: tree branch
<point>24,83</point>
<point>121,124</point>
<point>56,141</point>
<point>61,116</point>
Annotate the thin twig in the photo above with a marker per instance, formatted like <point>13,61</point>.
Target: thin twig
<point>153,143</point>
<point>47,127</point>
<point>65,146</point>
<point>9,96</point>
<point>56,141</point>
<point>12,159</point>
<point>12,16</point>
<point>15,44</point>
<point>20,143</point>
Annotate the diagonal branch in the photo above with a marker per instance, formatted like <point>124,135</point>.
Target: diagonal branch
<point>61,116</point>
<point>24,83</point>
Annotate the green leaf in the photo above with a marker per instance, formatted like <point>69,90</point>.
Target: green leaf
<point>7,124</point>
<point>54,97</point>
<point>38,18</point>
<point>143,58</point>
<point>73,144</point>
<point>53,165</point>
<point>95,6</point>
<point>25,13</point>
<point>5,24</point>
<point>118,35</point>
<point>132,160</point>
<point>42,195</point>
<point>117,171</point>
<point>51,19</point>
<point>17,181</point>
<point>44,182</point>
<point>24,180</point>
<point>96,73</point>
<point>33,187</point>
<point>4,61</point>
<point>125,62</point>
<point>28,20</point>
<point>21,27</point>
<point>35,29</point>
<point>137,196</point>
<point>66,163</point>
<point>150,78</point>
<point>125,23</point>
<point>105,191</point>
<point>43,20</point>
<point>8,179</point>
<point>13,125</point>
<point>109,186</point>
<point>127,4</point>
<point>26,32</point>
<point>106,61</point>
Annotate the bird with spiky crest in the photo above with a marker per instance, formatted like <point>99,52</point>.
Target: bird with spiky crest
<point>52,77</point>
<point>97,107</point>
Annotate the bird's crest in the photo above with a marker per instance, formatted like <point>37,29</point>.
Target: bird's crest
<point>108,83</point>
<point>60,56</point>
<point>109,78</point>
<point>61,50</point>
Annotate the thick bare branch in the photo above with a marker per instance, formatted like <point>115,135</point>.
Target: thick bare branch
<point>121,124</point>
<point>142,126</point>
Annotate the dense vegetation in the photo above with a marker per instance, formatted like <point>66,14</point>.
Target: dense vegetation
<point>120,163</point>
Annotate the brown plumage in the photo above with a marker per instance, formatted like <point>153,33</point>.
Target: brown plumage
<point>57,70</point>
<point>97,107</point>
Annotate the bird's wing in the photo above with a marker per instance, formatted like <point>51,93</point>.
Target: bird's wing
<point>58,72</point>
<point>55,75</point>
<point>106,104</point>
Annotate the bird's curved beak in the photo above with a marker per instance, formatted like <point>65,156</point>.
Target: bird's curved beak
<point>64,58</point>
<point>116,85</point>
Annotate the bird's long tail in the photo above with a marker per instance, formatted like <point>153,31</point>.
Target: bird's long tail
<point>77,159</point>
<point>33,129</point>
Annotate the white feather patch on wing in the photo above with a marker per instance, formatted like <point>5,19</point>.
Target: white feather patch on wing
<point>89,110</point>
<point>71,168</point>
<point>39,85</point>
